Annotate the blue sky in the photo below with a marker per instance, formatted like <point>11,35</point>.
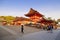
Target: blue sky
<point>49,8</point>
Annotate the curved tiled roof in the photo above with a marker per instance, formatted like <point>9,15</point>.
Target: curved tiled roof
<point>33,12</point>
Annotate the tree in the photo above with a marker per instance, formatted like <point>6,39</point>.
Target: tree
<point>9,18</point>
<point>58,20</point>
<point>55,21</point>
<point>2,18</point>
<point>49,18</point>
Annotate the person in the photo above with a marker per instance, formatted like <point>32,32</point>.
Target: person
<point>50,27</point>
<point>22,28</point>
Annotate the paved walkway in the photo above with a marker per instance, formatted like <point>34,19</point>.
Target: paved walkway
<point>5,35</point>
<point>58,36</point>
<point>30,33</point>
<point>13,32</point>
<point>17,29</point>
<point>43,35</point>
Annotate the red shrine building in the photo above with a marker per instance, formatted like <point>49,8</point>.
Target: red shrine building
<point>34,15</point>
<point>37,17</point>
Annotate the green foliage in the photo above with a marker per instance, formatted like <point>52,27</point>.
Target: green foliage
<point>49,18</point>
<point>58,20</point>
<point>7,18</point>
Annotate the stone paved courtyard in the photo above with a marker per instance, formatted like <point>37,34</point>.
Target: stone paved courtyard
<point>27,29</point>
<point>14,33</point>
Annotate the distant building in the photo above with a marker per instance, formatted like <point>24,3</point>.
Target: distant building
<point>37,17</point>
<point>34,15</point>
<point>20,20</point>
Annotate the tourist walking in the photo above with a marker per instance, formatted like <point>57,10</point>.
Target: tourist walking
<point>50,27</point>
<point>22,28</point>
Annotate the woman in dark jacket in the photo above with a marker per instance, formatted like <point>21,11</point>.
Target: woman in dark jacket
<point>22,28</point>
